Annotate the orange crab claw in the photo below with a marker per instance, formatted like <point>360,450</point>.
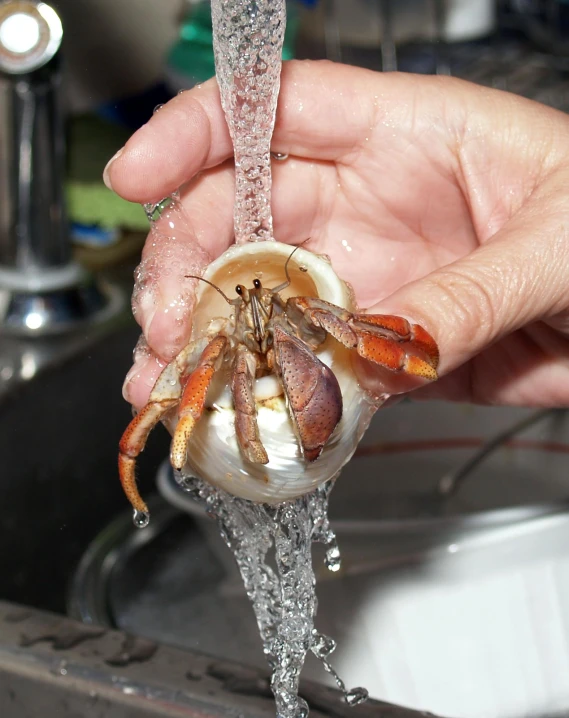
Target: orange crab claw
<point>133,442</point>
<point>193,398</point>
<point>394,343</point>
<point>384,339</point>
<point>394,356</point>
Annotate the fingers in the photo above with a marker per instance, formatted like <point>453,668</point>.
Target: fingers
<point>518,277</point>
<point>186,136</point>
<point>141,379</point>
<point>325,112</point>
<point>164,293</point>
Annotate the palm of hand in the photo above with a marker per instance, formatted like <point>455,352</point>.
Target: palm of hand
<point>395,178</point>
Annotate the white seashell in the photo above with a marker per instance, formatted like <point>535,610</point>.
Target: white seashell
<point>213,453</point>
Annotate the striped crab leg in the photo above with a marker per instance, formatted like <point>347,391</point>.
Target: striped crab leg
<point>384,339</point>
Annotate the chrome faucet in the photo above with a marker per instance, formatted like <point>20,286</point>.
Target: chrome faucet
<point>42,290</point>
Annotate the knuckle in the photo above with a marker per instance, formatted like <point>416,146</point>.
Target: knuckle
<point>471,305</point>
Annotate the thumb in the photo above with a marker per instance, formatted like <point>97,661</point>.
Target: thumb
<point>519,276</point>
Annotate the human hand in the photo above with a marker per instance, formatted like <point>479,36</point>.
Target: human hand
<point>436,199</point>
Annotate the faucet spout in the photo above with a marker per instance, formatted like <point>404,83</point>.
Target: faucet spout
<point>42,289</point>
<point>33,234</point>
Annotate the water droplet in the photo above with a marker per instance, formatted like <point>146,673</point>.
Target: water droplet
<point>279,156</point>
<point>140,519</point>
<point>155,210</point>
<point>186,483</point>
<point>356,696</point>
<point>303,268</point>
<point>333,559</point>
<point>302,709</point>
<point>158,107</point>
<point>323,645</point>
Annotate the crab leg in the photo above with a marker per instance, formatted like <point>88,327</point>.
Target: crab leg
<point>242,387</point>
<point>163,397</point>
<point>384,339</point>
<point>193,398</point>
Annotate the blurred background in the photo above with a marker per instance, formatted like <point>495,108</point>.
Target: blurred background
<point>147,51</point>
<point>452,520</point>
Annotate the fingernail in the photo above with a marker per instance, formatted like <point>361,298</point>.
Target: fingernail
<point>106,177</point>
<point>148,318</point>
<point>134,373</point>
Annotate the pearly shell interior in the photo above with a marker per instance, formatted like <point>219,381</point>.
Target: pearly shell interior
<point>213,453</point>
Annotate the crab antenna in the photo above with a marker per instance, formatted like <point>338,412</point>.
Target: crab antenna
<point>284,285</point>
<point>211,284</point>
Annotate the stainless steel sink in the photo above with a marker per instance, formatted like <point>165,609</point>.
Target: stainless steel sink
<point>61,413</point>
<point>58,668</point>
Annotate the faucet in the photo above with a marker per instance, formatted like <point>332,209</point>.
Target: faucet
<point>42,290</point>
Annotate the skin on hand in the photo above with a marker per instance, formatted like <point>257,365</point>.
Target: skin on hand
<point>438,200</point>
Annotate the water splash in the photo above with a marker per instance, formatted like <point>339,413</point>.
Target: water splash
<point>248,39</point>
<point>284,599</point>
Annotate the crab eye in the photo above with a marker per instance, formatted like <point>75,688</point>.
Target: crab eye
<point>257,283</point>
<point>239,289</point>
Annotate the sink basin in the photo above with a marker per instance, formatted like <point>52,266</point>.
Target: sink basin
<point>62,415</point>
<point>58,452</point>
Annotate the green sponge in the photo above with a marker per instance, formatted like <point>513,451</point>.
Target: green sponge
<point>91,142</point>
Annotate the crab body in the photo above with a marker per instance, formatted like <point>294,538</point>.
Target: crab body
<point>263,400</point>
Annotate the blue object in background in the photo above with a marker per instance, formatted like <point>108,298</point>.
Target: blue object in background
<point>132,112</point>
<point>189,62</point>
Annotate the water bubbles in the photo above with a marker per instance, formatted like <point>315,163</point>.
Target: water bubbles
<point>279,156</point>
<point>356,696</point>
<point>60,669</point>
<point>248,39</point>
<point>295,707</point>
<point>333,559</point>
<point>140,519</point>
<point>157,108</point>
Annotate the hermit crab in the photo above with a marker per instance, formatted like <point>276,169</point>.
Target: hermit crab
<point>263,401</point>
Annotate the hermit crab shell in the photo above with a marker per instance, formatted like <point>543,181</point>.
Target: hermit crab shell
<point>213,452</point>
